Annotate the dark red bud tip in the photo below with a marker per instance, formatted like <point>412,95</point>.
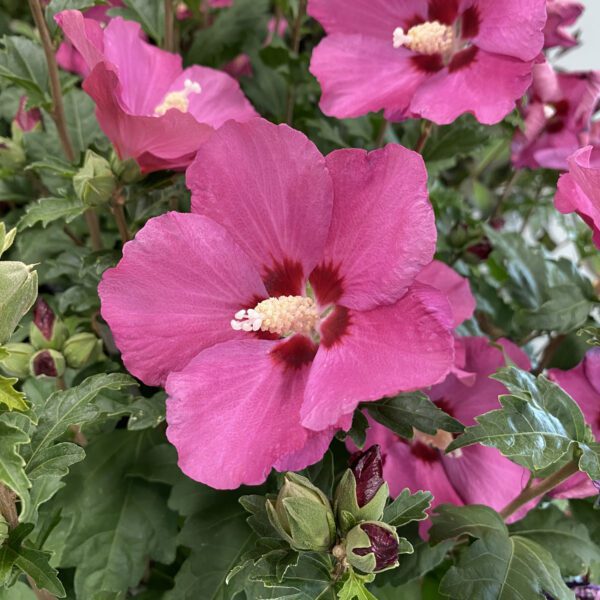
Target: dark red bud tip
<point>43,364</point>
<point>384,545</point>
<point>482,249</point>
<point>44,317</point>
<point>368,471</point>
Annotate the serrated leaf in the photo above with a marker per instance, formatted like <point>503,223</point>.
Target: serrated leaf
<point>589,461</point>
<point>11,398</point>
<point>258,519</point>
<point>47,210</point>
<point>151,16</point>
<point>354,589</point>
<point>82,124</point>
<point>412,410</point>
<point>408,507</point>
<point>564,538</point>
<point>18,291</point>
<point>12,471</point>
<point>476,520</point>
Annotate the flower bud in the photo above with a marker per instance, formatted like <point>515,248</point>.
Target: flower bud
<point>127,171</point>
<point>372,547</point>
<point>362,493</point>
<point>12,155</point>
<point>6,238</point>
<point>18,291</point>
<point>302,515</point>
<point>16,364</point>
<point>25,119</point>
<point>47,363</point>
<point>82,349</point>
<point>95,182</point>
<point>46,330</point>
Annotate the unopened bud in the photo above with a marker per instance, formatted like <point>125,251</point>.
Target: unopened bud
<point>82,349</point>
<point>12,155</point>
<point>95,182</point>
<point>6,238</point>
<point>127,171</point>
<point>18,291</point>
<point>302,515</point>
<point>25,119</point>
<point>47,363</point>
<point>362,493</point>
<point>372,547</point>
<point>46,330</point>
<point>16,364</point>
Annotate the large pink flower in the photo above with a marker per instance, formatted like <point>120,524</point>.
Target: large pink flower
<point>558,117</point>
<point>149,107</point>
<point>562,14</point>
<point>579,189</point>
<point>435,59</point>
<point>218,305</point>
<point>583,384</point>
<point>472,475</point>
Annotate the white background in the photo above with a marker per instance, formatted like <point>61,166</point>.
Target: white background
<point>587,55</point>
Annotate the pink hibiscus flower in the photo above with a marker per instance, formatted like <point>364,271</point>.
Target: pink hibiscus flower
<point>583,385</point>
<point>579,189</point>
<point>151,109</point>
<point>435,59</point>
<point>557,117</point>
<point>562,14</point>
<point>288,297</point>
<point>472,475</point>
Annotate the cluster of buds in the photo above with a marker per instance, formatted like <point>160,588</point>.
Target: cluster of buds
<point>50,348</point>
<point>351,529</point>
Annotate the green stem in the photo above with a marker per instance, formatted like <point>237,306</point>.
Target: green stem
<point>169,41</point>
<point>424,137</point>
<point>119,214</point>
<point>296,39</point>
<point>380,141</point>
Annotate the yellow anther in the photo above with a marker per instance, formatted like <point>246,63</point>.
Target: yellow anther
<point>427,38</point>
<point>179,100</point>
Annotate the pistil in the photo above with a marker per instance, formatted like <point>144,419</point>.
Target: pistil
<point>429,38</point>
<point>179,100</point>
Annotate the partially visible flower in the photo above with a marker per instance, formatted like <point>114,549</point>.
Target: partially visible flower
<point>579,189</point>
<point>435,59</point>
<point>149,107</point>
<point>372,547</point>
<point>82,349</point>
<point>27,119</point>
<point>557,117</point>
<point>285,301</point>
<point>562,14</point>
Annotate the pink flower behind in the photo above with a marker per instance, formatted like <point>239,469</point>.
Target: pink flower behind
<point>259,371</point>
<point>579,189</point>
<point>562,14</point>
<point>149,107</point>
<point>557,117</point>
<point>27,119</point>
<point>435,59</point>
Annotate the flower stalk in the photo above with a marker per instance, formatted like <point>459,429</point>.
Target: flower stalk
<point>169,39</point>
<point>296,38</point>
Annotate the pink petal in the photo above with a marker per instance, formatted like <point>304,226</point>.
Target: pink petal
<point>512,27</point>
<point>561,15</point>
<point>457,289</point>
<point>221,97</point>
<point>375,261</point>
<point>488,87</point>
<point>233,413</point>
<point>86,35</point>
<point>390,349</point>
<point>360,74</point>
<point>268,185</point>
<point>578,486</point>
<point>174,293</point>
<point>376,18</point>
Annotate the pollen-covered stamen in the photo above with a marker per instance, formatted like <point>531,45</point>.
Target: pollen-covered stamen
<point>282,316</point>
<point>441,440</point>
<point>179,99</point>
<point>549,111</point>
<point>431,37</point>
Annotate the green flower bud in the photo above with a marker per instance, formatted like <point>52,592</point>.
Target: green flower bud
<point>362,493</point>
<point>302,515</point>
<point>16,364</point>
<point>46,330</point>
<point>82,349</point>
<point>18,291</point>
<point>47,363</point>
<point>12,155</point>
<point>127,171</point>
<point>372,547</point>
<point>6,238</point>
<point>95,182</point>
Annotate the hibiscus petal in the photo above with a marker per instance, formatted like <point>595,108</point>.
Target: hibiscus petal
<point>487,87</point>
<point>86,35</point>
<point>360,74</point>
<point>374,261</point>
<point>405,346</point>
<point>268,185</point>
<point>174,293</point>
<point>234,412</point>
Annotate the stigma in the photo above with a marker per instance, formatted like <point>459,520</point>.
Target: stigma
<point>440,441</point>
<point>282,316</point>
<point>427,38</point>
<point>180,100</point>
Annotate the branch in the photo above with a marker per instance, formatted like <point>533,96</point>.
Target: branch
<point>424,137</point>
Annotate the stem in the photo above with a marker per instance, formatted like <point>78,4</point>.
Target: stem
<point>169,41</point>
<point>380,141</point>
<point>93,224</point>
<point>8,507</point>
<point>119,214</point>
<point>424,137</point>
<point>39,594</point>
<point>541,488</point>
<point>549,353</point>
<point>507,190</point>
<point>296,38</point>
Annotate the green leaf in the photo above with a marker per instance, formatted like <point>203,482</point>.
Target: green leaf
<point>19,591</point>
<point>476,520</point>
<point>10,397</point>
<point>452,141</point>
<point>56,6</point>
<point>322,474</point>
<point>6,238</point>
<point>358,432</point>
<point>80,114</point>
<point>590,459</point>
<point>23,63</point>
<point>354,588</point>
<point>408,507</point>
<point>47,210</point>
<point>412,410</point>
<point>258,519</point>
<point>12,472</point>
<point>18,291</point>
<point>564,538</point>
<point>537,426</point>
<point>151,15</point>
